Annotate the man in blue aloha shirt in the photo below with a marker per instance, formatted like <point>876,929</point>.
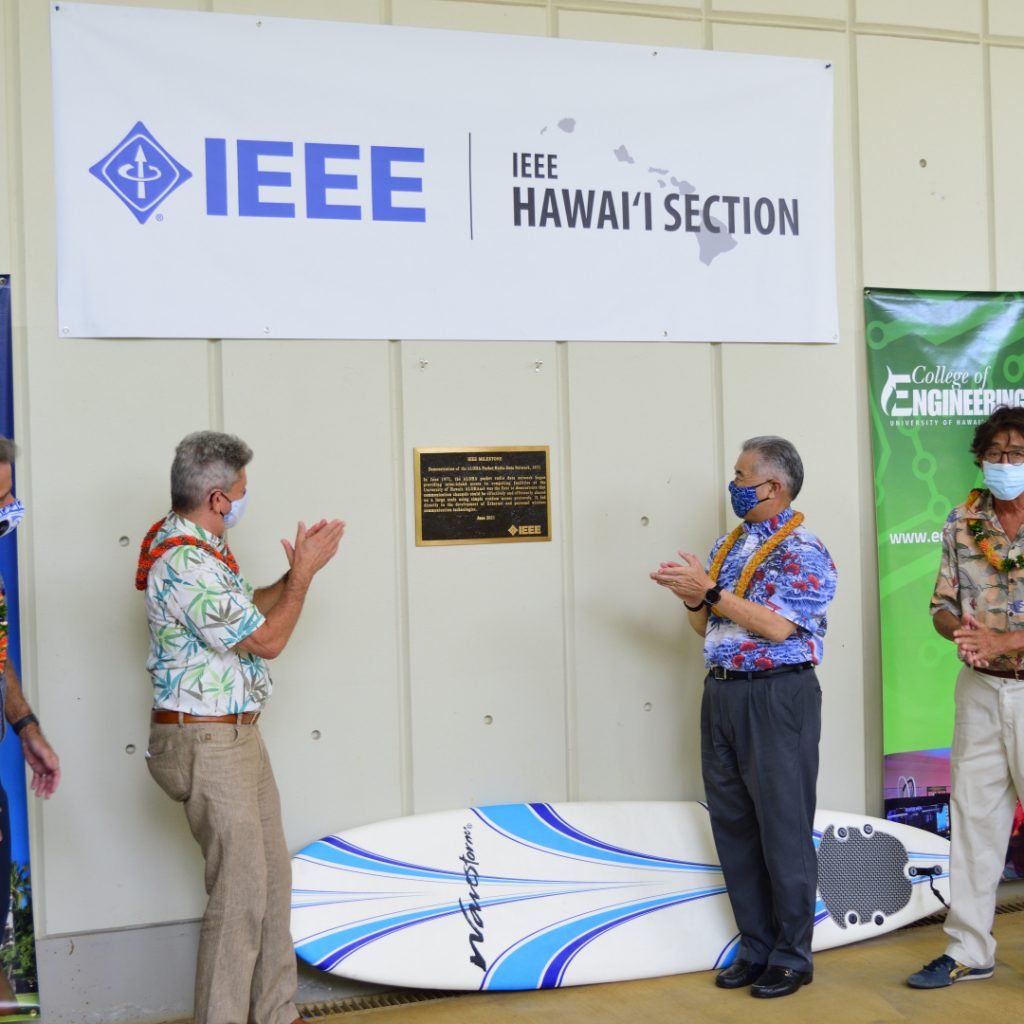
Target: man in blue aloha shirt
<point>760,605</point>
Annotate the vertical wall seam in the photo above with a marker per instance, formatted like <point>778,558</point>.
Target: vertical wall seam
<point>396,386</point>
<point>565,521</point>
<point>872,701</point>
<point>215,382</point>
<point>716,383</point>
<point>990,157</point>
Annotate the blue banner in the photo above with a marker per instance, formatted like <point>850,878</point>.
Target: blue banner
<point>17,940</point>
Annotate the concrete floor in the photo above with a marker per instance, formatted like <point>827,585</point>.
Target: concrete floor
<point>859,984</point>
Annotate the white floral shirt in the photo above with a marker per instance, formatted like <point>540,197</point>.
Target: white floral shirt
<point>199,611</point>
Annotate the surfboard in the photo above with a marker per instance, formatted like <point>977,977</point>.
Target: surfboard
<point>528,896</point>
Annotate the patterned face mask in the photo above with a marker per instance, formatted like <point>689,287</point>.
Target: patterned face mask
<point>10,516</point>
<point>744,498</point>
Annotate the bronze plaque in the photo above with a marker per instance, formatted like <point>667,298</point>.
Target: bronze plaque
<point>482,495</point>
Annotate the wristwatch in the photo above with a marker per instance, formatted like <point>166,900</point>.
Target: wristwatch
<point>712,596</point>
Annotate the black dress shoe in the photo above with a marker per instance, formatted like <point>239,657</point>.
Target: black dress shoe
<point>739,974</point>
<point>780,981</point>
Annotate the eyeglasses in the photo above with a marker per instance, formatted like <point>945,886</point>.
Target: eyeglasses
<point>1015,456</point>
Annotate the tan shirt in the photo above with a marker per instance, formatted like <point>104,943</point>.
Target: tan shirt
<point>967,581</point>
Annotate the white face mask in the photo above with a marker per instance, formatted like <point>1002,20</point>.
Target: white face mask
<point>234,514</point>
<point>10,516</point>
<point>1003,480</point>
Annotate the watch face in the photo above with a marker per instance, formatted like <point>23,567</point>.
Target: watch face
<point>712,596</point>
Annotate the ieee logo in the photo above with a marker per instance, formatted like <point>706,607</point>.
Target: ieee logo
<point>140,172</point>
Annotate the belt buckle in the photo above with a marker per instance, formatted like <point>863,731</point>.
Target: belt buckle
<point>719,672</point>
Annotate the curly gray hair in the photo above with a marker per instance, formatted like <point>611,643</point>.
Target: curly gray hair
<point>203,462</point>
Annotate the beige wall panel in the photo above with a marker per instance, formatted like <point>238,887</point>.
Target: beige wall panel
<point>321,10</point>
<point>1006,17</point>
<point>471,17</point>
<point>486,621</point>
<point>831,9</point>
<point>924,227</point>
<point>8,55</point>
<point>953,15</point>
<point>317,415</point>
<point>644,483</point>
<point>104,417</point>
<point>630,28</point>
<point>1007,77</point>
<point>683,6</point>
<point>809,394</point>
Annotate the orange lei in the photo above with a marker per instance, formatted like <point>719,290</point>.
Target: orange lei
<point>756,558</point>
<point>149,554</point>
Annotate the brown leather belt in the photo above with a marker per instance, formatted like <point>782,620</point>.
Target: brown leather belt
<point>1003,673</point>
<point>178,717</point>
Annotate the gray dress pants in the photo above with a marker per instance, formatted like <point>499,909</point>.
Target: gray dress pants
<point>759,754</point>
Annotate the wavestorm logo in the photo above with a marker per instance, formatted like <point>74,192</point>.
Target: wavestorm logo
<point>140,172</point>
<point>471,911</point>
<point>940,392</point>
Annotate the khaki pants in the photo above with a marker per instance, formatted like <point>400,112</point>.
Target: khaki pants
<point>987,765</point>
<point>245,972</point>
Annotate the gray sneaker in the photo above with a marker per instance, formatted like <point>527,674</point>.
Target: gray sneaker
<point>947,971</point>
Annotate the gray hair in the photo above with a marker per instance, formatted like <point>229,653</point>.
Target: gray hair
<point>777,455</point>
<point>8,451</point>
<point>203,462</point>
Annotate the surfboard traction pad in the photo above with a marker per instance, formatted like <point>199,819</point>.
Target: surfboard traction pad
<point>862,875</point>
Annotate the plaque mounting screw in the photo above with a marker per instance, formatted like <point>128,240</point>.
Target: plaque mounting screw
<point>488,719</point>
<point>537,365</point>
<point>424,364</point>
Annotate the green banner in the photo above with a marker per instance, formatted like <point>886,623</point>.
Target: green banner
<point>938,364</point>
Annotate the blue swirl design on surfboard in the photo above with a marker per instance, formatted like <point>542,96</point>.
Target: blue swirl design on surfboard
<point>575,889</point>
<point>538,960</point>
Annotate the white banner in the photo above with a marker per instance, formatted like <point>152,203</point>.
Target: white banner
<point>222,176</point>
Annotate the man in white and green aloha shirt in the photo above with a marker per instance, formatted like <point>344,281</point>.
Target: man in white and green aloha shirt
<point>210,633</point>
<point>199,611</point>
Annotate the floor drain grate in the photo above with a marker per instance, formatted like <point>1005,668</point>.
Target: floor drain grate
<point>375,1001</point>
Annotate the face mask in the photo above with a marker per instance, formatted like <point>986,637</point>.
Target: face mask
<point>234,514</point>
<point>744,498</point>
<point>1003,480</point>
<point>10,516</point>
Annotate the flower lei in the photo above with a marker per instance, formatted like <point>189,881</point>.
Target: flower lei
<point>149,555</point>
<point>756,558</point>
<point>977,528</point>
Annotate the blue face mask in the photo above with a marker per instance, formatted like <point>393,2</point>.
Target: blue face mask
<point>1006,482</point>
<point>744,498</point>
<point>237,510</point>
<point>10,516</point>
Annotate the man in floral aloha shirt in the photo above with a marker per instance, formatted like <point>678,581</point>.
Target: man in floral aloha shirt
<point>978,604</point>
<point>211,633</point>
<point>760,605</point>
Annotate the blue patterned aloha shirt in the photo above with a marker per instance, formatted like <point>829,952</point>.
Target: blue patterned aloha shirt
<point>797,581</point>
<point>199,611</point>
